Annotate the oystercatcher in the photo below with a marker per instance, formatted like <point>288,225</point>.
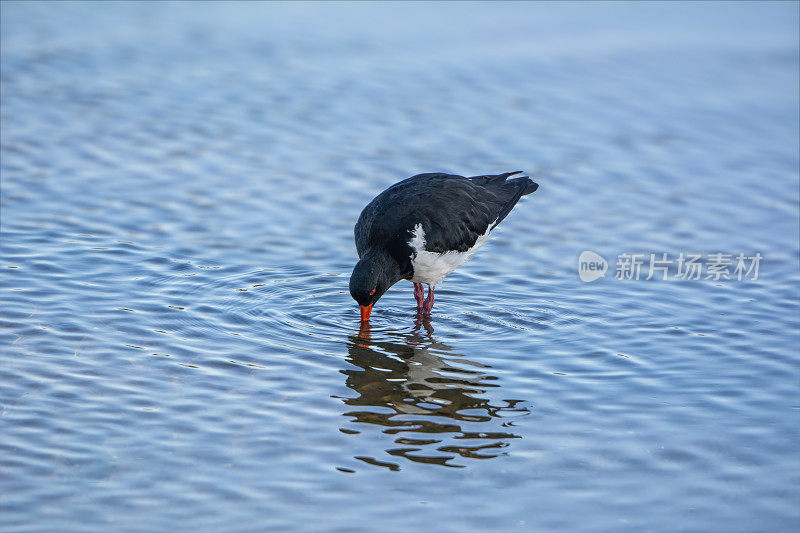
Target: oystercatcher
<point>424,227</point>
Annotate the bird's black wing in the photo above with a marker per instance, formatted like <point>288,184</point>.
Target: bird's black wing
<point>453,211</point>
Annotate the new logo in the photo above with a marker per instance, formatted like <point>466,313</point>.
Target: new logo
<point>591,266</point>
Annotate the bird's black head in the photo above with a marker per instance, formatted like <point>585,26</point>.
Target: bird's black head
<point>370,279</point>
<point>366,285</point>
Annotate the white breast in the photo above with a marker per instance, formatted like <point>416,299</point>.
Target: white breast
<point>432,267</point>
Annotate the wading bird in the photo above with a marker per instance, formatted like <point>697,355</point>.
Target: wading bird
<point>424,227</point>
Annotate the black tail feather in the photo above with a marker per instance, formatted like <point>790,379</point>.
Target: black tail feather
<point>497,179</point>
<point>531,187</point>
<point>492,178</point>
<point>512,190</point>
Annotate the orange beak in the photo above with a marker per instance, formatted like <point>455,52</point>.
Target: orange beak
<point>365,311</point>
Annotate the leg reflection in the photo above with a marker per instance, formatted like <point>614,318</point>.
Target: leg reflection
<point>438,404</point>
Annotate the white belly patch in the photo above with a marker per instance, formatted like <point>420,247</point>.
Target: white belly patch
<point>432,267</point>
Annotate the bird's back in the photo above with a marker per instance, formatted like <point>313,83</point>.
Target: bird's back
<point>453,210</point>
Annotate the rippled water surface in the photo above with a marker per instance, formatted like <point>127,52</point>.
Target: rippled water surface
<point>179,347</point>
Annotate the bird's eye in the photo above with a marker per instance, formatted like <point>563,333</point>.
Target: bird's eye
<point>372,292</point>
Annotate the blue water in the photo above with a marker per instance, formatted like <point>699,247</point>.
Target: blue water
<point>179,348</point>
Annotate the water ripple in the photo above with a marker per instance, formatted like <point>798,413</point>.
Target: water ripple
<point>179,188</point>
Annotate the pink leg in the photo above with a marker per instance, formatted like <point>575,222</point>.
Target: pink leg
<point>427,305</point>
<point>419,294</point>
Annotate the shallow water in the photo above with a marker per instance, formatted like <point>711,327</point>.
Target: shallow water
<point>179,186</point>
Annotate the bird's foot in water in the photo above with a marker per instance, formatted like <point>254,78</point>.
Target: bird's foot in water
<point>424,307</point>
<point>427,305</point>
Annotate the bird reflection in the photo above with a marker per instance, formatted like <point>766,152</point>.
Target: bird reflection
<point>431,400</point>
